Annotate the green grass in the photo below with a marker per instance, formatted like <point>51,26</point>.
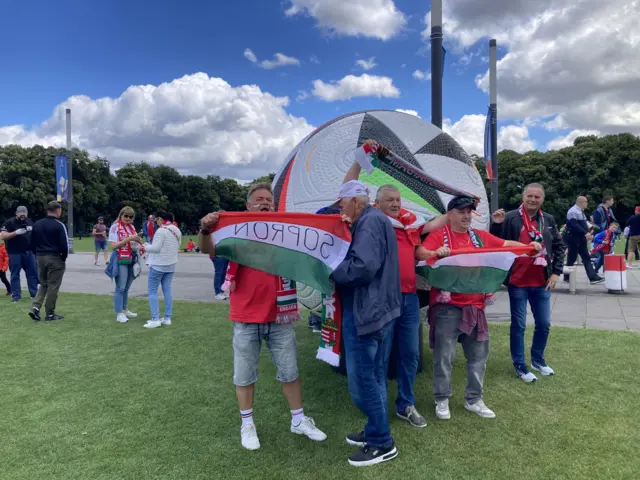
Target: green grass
<point>87,398</point>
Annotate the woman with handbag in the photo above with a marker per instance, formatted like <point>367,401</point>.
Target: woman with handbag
<point>163,257</point>
<point>124,263</point>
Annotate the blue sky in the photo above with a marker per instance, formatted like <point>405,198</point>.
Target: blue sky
<point>56,50</point>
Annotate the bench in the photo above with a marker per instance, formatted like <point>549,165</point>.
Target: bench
<point>572,272</point>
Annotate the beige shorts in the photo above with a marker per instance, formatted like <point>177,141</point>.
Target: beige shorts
<point>634,242</point>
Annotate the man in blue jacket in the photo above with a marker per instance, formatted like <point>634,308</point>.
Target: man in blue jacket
<point>369,284</point>
<point>576,236</point>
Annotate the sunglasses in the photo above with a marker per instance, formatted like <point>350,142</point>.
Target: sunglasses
<point>127,216</point>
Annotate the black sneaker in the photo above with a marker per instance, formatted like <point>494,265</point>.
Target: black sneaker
<point>412,416</point>
<point>34,313</point>
<point>8,294</point>
<point>53,317</point>
<point>596,280</point>
<point>356,439</point>
<point>370,455</point>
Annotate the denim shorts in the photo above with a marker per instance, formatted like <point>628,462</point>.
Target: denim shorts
<point>101,245</point>
<point>247,343</point>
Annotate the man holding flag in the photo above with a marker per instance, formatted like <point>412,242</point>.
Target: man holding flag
<point>460,316</point>
<point>531,279</point>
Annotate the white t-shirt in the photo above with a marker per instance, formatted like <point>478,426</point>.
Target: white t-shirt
<point>113,237</point>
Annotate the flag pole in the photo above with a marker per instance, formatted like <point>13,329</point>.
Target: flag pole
<point>70,182</point>
<point>437,61</point>
<point>493,105</point>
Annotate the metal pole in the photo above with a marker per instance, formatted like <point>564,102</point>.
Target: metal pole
<point>436,63</point>
<point>70,185</point>
<point>493,105</point>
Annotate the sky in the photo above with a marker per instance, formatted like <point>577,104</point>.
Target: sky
<point>229,88</point>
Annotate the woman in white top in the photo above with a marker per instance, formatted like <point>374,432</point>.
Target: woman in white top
<point>163,257</point>
<point>126,244</point>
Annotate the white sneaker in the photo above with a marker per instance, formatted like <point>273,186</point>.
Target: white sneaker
<point>221,296</point>
<point>130,314</point>
<point>152,324</point>
<point>165,321</point>
<point>442,410</point>
<point>308,427</point>
<point>527,377</point>
<point>545,370</point>
<point>480,409</point>
<point>122,318</point>
<point>249,437</point>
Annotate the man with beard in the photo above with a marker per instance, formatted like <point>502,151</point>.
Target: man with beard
<point>531,279</point>
<point>16,233</point>
<point>253,311</point>
<point>408,229</point>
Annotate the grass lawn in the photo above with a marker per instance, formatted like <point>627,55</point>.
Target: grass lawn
<point>87,398</point>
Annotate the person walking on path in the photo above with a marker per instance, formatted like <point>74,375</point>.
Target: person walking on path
<point>603,215</point>
<point>4,266</point>
<point>163,257</point>
<point>459,317</point>
<point>531,278</point>
<point>253,311</point>
<point>126,245</point>
<point>576,236</point>
<point>368,282</point>
<point>100,240</point>
<point>16,233</point>
<point>50,242</point>
<point>634,236</point>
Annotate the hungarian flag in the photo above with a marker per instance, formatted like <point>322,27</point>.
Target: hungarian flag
<point>471,270</point>
<point>299,246</point>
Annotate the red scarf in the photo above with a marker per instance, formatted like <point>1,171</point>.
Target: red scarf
<point>150,229</point>
<point>534,234</point>
<point>125,254</point>
<point>408,222</point>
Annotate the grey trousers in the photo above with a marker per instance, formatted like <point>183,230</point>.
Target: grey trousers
<point>50,272</point>
<point>444,354</point>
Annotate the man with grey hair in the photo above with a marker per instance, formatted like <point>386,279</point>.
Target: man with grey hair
<point>408,229</point>
<point>16,233</point>
<point>368,282</point>
<point>531,278</point>
<point>577,234</point>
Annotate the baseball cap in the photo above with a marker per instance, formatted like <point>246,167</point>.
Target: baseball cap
<point>462,201</point>
<point>100,218</point>
<point>22,209</point>
<point>351,189</point>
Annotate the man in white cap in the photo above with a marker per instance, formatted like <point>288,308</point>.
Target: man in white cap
<point>16,233</point>
<point>369,285</point>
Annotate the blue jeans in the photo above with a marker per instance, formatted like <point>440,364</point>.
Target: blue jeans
<point>220,270</point>
<point>27,262</point>
<point>157,278</point>
<point>540,301</point>
<point>599,261</point>
<point>406,337</point>
<point>123,284</point>
<point>367,361</point>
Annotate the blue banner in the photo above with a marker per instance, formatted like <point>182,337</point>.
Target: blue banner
<point>444,56</point>
<point>487,144</point>
<point>62,178</point>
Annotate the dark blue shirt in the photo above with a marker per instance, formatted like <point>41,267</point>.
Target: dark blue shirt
<point>634,225</point>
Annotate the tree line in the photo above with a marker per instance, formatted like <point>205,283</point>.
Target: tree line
<point>593,166</point>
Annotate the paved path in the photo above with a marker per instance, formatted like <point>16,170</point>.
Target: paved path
<point>591,307</point>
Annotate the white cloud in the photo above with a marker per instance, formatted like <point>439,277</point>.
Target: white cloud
<point>567,140</point>
<point>197,124</point>
<point>302,95</point>
<point>420,75</point>
<point>279,60</point>
<point>314,59</point>
<point>351,86</point>
<point>367,64</point>
<point>410,112</point>
<point>469,133</point>
<point>574,58</point>
<point>367,18</point>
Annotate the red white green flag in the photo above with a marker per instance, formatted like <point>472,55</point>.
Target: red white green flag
<point>303,247</point>
<point>471,270</point>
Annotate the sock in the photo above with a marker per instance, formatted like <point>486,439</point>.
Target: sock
<point>297,416</point>
<point>247,416</point>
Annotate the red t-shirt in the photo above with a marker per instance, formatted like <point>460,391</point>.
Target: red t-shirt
<point>255,296</point>
<point>524,272</point>
<point>435,240</point>
<point>406,256</point>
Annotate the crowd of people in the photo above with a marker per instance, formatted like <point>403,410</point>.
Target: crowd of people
<point>377,285</point>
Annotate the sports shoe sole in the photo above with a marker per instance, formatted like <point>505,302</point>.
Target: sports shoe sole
<point>382,458</point>
<point>409,421</point>
<point>354,443</point>
<point>34,317</point>
<point>443,417</point>
<point>478,414</point>
<point>533,367</point>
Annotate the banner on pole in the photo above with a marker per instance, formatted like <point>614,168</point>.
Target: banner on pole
<point>488,139</point>
<point>62,179</point>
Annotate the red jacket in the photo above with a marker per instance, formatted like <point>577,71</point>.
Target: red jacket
<point>4,259</point>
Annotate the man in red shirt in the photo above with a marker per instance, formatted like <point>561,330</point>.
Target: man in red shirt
<point>531,279</point>
<point>253,311</point>
<point>454,316</point>
<point>408,229</point>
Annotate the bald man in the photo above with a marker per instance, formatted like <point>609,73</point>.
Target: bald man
<point>577,234</point>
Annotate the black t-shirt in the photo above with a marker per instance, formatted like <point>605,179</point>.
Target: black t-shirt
<point>19,243</point>
<point>634,225</point>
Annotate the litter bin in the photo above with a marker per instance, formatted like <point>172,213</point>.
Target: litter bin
<point>615,273</point>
